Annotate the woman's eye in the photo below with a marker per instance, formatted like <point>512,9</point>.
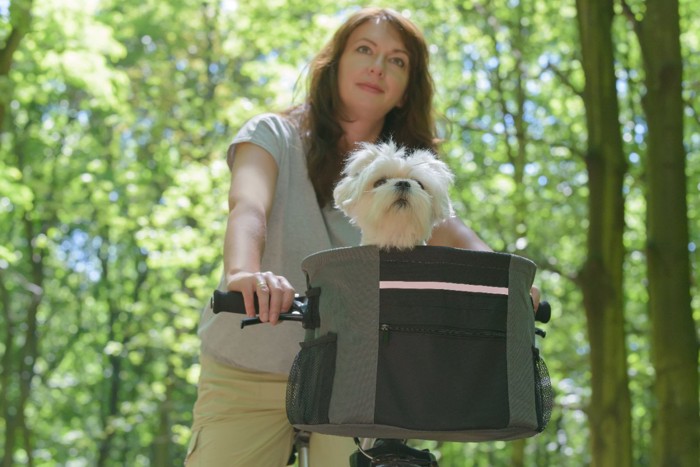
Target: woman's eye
<point>363,49</point>
<point>398,61</point>
<point>380,182</point>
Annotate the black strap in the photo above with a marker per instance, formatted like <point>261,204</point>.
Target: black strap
<point>312,317</point>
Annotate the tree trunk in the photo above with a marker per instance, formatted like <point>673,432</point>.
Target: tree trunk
<point>675,437</point>
<point>114,385</point>
<point>6,369</point>
<point>20,19</point>
<point>17,425</point>
<point>601,275</point>
<point>517,453</point>
<point>162,442</point>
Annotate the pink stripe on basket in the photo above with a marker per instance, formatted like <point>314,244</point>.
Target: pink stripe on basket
<point>444,286</point>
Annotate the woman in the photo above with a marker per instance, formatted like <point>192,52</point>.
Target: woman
<point>369,83</point>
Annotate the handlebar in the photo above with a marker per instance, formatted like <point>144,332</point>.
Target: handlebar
<point>232,302</point>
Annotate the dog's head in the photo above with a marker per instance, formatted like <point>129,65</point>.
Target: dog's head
<point>393,195</point>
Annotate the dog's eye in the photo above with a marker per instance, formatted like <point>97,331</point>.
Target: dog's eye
<point>380,182</point>
<point>419,184</point>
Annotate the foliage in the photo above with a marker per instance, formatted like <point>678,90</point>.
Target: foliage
<point>113,199</point>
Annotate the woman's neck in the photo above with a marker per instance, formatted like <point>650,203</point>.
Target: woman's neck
<point>359,132</point>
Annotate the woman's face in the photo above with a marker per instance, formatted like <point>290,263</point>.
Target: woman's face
<point>373,71</point>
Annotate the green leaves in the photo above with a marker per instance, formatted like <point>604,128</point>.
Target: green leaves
<point>16,195</point>
<point>113,192</point>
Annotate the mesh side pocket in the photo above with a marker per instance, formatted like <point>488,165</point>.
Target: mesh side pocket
<point>544,395</point>
<point>311,381</point>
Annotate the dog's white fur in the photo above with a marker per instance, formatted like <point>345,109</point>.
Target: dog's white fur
<point>394,196</point>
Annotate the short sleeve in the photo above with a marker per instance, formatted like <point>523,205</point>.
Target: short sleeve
<point>271,132</point>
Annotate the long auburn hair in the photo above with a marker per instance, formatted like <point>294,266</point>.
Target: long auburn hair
<point>412,125</point>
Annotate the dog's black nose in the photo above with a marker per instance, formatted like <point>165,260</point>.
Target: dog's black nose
<point>402,185</point>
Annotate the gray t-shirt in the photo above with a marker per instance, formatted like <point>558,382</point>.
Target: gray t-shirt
<point>297,227</point>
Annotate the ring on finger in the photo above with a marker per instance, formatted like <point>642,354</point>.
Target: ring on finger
<point>262,284</point>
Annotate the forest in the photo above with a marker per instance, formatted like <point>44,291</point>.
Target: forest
<point>573,129</point>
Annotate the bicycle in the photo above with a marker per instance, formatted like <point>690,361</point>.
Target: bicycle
<point>380,452</point>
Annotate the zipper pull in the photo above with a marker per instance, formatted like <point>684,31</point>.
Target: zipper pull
<point>385,330</point>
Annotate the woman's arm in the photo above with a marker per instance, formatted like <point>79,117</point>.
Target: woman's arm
<point>253,180</point>
<point>454,233</point>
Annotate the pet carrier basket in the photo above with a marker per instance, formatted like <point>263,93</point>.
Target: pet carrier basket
<point>433,343</point>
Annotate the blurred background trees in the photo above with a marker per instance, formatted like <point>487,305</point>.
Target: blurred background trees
<point>573,129</point>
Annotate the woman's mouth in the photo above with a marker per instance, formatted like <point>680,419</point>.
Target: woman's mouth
<point>369,87</point>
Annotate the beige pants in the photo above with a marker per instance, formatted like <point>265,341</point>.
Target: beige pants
<point>240,420</point>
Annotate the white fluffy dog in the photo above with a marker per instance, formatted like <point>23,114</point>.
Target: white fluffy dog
<point>394,196</point>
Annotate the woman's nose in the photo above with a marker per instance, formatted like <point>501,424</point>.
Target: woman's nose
<point>377,66</point>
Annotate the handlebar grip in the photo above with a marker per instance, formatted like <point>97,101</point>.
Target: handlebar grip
<point>231,302</point>
<point>543,313</point>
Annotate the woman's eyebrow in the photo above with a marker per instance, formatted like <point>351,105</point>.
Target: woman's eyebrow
<point>367,39</point>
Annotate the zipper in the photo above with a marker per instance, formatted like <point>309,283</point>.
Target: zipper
<point>386,330</point>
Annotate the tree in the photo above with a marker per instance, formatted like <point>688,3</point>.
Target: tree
<point>675,437</point>
<point>601,278</point>
<point>113,187</point>
<point>20,21</point>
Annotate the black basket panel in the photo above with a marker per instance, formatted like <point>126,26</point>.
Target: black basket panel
<point>442,380</point>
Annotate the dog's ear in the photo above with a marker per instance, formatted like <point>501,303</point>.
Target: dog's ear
<point>442,205</point>
<point>344,194</point>
<point>441,179</point>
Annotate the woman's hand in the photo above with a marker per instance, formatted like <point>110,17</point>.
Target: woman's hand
<point>535,294</point>
<point>275,293</point>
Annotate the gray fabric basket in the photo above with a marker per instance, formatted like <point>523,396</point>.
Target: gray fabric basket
<point>434,343</point>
